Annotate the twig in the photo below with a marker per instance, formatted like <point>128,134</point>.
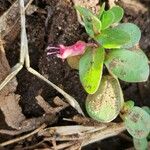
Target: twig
<point>29,3</point>
<point>22,137</point>
<point>110,131</point>
<point>64,145</point>
<point>47,108</point>
<point>86,134</point>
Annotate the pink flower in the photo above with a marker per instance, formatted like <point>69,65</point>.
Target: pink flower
<point>67,51</point>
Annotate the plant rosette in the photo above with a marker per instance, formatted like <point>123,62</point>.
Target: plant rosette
<point>115,49</point>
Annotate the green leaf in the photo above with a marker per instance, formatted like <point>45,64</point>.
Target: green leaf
<point>111,16</point>
<point>127,106</point>
<point>107,19</point>
<point>88,27</point>
<point>133,31</point>
<point>90,69</point>
<point>84,11</point>
<point>101,11</point>
<point>112,38</point>
<point>147,109</point>
<point>86,15</point>
<point>137,123</point>
<point>127,65</point>
<point>96,25</point>
<point>91,22</point>
<point>106,103</point>
<point>140,144</point>
<point>118,13</point>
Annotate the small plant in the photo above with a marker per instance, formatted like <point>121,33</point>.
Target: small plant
<point>116,48</point>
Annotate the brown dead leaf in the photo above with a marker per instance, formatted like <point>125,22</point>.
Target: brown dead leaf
<point>9,22</point>
<point>8,100</point>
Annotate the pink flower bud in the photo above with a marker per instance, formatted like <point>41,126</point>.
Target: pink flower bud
<point>68,51</point>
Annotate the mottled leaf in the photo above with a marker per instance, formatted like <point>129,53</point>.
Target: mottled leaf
<point>127,65</point>
<point>106,103</point>
<point>90,69</point>
<point>140,144</point>
<point>137,123</point>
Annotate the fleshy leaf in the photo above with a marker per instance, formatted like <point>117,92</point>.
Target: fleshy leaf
<point>140,144</point>
<point>118,13</point>
<point>106,103</point>
<point>133,31</point>
<point>137,123</point>
<point>91,22</point>
<point>127,65</point>
<point>112,38</point>
<point>107,19</point>
<point>90,68</point>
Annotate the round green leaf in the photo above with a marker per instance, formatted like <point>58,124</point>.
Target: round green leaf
<point>140,144</point>
<point>106,103</point>
<point>137,123</point>
<point>112,38</point>
<point>133,31</point>
<point>127,65</point>
<point>90,69</point>
<point>118,13</point>
<point>107,19</point>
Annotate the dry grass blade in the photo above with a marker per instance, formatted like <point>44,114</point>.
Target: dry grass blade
<point>25,60</point>
<point>85,134</point>
<point>109,131</point>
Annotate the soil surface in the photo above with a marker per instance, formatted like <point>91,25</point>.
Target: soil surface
<point>56,23</point>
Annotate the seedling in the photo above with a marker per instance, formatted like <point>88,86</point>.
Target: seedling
<point>137,122</point>
<point>116,48</point>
